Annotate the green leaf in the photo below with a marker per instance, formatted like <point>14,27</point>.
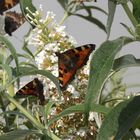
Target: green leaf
<point>8,70</point>
<point>79,109</point>
<point>69,6</point>
<point>45,137</point>
<point>122,1</point>
<point>136,9</point>
<point>12,113</point>
<point>138,30</point>
<point>92,20</point>
<point>120,119</point>
<point>101,65</point>
<point>126,61</point>
<point>25,56</point>
<point>25,45</point>
<point>129,29</point>
<point>27,64</point>
<point>72,7</point>
<point>17,135</point>
<point>25,71</point>
<point>24,4</point>
<point>1,58</point>
<point>86,7</point>
<point>9,60</point>
<point>111,9</point>
<point>63,3</point>
<point>48,107</point>
<point>12,50</point>
<point>27,50</point>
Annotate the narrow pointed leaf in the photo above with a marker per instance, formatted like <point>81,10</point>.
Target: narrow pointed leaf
<point>12,50</point>
<point>80,109</point>
<point>17,135</point>
<point>8,70</point>
<point>25,71</point>
<point>125,62</point>
<point>120,119</point>
<point>129,29</point>
<point>1,58</point>
<point>86,7</point>
<point>48,107</point>
<point>63,3</point>
<point>111,9</point>
<point>136,9</point>
<point>101,66</point>
<point>92,20</point>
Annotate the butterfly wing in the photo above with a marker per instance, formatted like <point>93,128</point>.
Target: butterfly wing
<point>72,60</point>
<point>13,21</point>
<point>65,75</point>
<point>33,88</point>
<point>7,4</point>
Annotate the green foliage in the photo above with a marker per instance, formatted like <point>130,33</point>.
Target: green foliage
<point>112,8</point>
<point>136,9</point>
<point>17,135</point>
<point>72,8</point>
<point>24,71</point>
<point>125,62</point>
<point>80,109</point>
<point>10,47</point>
<point>101,65</point>
<point>120,119</point>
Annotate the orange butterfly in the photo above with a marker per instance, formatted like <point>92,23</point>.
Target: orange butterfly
<point>70,61</point>
<point>7,4</point>
<point>33,88</point>
<point>13,21</point>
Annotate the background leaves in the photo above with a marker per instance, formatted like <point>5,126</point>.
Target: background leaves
<point>136,9</point>
<point>101,65</point>
<point>120,119</point>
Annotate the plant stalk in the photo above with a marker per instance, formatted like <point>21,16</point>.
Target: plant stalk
<point>66,15</point>
<point>31,118</point>
<point>3,107</point>
<point>130,15</point>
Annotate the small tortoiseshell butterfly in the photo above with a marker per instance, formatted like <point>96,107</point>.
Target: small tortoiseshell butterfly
<point>13,21</point>
<point>7,4</point>
<point>70,61</point>
<point>33,88</point>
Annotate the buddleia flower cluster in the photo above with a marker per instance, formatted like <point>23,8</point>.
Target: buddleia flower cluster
<point>49,37</point>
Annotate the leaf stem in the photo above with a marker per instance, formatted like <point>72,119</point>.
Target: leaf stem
<point>26,113</point>
<point>130,15</point>
<point>66,15</point>
<point>3,107</point>
<point>32,119</point>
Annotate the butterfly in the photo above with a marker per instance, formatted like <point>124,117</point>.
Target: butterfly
<point>70,61</point>
<point>33,88</point>
<point>13,21</point>
<point>7,4</point>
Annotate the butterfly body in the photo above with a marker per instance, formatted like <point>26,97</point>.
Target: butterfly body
<point>13,21</point>
<point>72,60</point>
<point>7,4</point>
<point>33,88</point>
